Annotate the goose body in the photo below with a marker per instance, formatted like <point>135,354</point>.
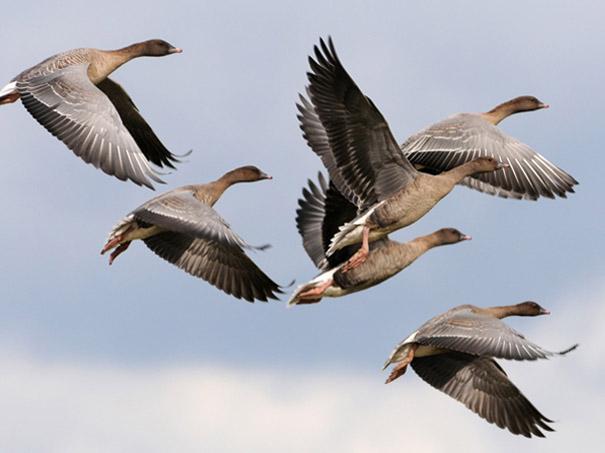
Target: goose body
<point>182,227</point>
<point>322,210</point>
<point>455,351</point>
<point>71,95</point>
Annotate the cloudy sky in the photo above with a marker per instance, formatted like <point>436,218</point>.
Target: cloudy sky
<point>142,357</point>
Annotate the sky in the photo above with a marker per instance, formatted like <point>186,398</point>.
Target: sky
<point>141,356</point>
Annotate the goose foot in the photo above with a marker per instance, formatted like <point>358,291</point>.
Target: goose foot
<point>120,249</point>
<point>112,243</point>
<point>400,368</point>
<point>360,255</point>
<point>9,98</point>
<point>313,294</point>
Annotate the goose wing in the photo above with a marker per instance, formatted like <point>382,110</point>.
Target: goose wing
<point>223,265</point>
<point>363,148</point>
<point>322,210</point>
<point>147,141</point>
<point>465,137</point>
<point>179,211</point>
<point>79,114</point>
<point>479,334</point>
<point>482,386</point>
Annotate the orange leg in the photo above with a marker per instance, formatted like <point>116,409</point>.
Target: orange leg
<point>360,255</point>
<point>314,294</point>
<point>113,243</point>
<point>9,98</point>
<point>399,369</point>
<point>120,249</point>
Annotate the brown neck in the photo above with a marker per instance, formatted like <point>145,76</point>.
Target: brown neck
<point>211,192</point>
<point>110,60</point>
<point>503,311</point>
<point>428,242</point>
<point>131,51</point>
<point>500,112</point>
<point>408,252</point>
<point>460,172</point>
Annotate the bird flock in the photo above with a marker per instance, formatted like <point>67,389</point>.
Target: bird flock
<point>373,187</point>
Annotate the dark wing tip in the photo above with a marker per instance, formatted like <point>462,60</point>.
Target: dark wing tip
<point>571,348</point>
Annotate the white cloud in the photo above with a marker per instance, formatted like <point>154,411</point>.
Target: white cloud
<point>77,406</point>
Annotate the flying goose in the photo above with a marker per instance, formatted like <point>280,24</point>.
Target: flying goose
<point>182,227</point>
<point>455,351</point>
<point>322,210</point>
<point>466,136</point>
<point>346,130</point>
<point>71,95</point>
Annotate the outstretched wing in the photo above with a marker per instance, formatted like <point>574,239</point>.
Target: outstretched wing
<point>179,211</point>
<point>223,265</point>
<point>479,334</point>
<point>149,143</point>
<point>481,385</point>
<point>323,209</point>
<point>367,156</point>
<point>465,137</point>
<point>74,110</point>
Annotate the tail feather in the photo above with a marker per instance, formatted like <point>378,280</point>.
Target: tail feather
<point>337,241</point>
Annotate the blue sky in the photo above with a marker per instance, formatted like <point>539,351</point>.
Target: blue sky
<point>231,98</point>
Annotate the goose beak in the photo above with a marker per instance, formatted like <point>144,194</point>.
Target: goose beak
<point>544,106</point>
<point>175,50</point>
<point>265,176</point>
<point>502,165</point>
<point>465,237</point>
<point>544,311</point>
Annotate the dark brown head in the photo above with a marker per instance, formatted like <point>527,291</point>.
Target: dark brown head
<point>157,48</point>
<point>248,173</point>
<point>516,105</point>
<point>449,236</point>
<point>530,308</point>
<point>526,104</point>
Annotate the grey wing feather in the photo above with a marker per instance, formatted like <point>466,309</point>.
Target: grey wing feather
<point>317,139</point>
<point>309,220</point>
<point>223,265</point>
<point>179,211</point>
<point>465,137</point>
<point>147,141</point>
<point>362,146</point>
<point>71,108</point>
<point>473,333</point>
<point>482,386</point>
<point>322,210</point>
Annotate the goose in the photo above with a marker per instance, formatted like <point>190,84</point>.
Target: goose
<point>322,210</point>
<point>455,351</point>
<point>71,95</point>
<point>352,138</point>
<point>182,227</point>
<point>466,136</point>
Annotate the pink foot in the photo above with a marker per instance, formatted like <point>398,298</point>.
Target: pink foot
<point>356,260</point>
<point>401,367</point>
<point>313,294</point>
<point>360,255</point>
<point>111,244</point>
<point>121,248</point>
